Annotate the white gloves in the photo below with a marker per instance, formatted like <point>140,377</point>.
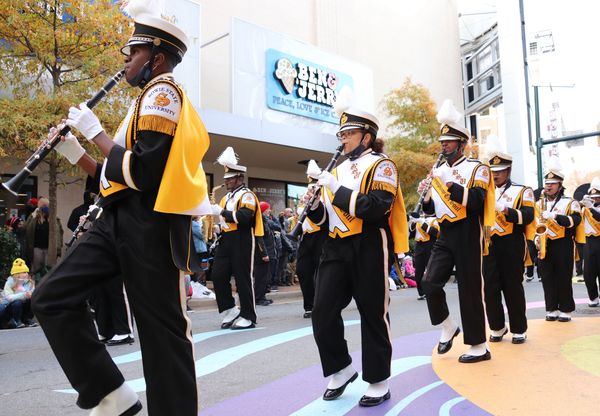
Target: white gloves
<point>84,120</point>
<point>328,180</point>
<point>444,174</point>
<point>69,147</point>
<point>548,215</point>
<point>420,221</point>
<point>216,209</point>
<point>500,206</point>
<point>587,202</point>
<point>422,185</point>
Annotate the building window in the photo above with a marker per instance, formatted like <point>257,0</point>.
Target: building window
<point>533,48</point>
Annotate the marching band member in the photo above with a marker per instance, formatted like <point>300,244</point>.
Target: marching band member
<point>425,231</point>
<point>309,252</point>
<point>151,183</point>
<point>559,216</point>
<point>504,265</point>
<point>358,200</point>
<point>591,251</point>
<point>241,221</point>
<point>462,197</point>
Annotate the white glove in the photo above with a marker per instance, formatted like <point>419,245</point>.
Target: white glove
<point>420,221</point>
<point>422,185</point>
<point>548,215</point>
<point>216,209</point>
<point>328,180</point>
<point>587,202</point>
<point>500,206</point>
<point>84,120</point>
<point>69,147</point>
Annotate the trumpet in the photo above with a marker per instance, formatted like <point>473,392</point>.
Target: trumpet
<point>419,207</point>
<point>14,184</point>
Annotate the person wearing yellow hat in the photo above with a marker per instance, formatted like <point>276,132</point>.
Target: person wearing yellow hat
<point>17,291</point>
<point>591,250</point>
<point>151,184</point>
<point>559,216</point>
<point>462,197</point>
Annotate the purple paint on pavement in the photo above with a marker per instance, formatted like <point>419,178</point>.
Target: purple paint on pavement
<point>293,392</point>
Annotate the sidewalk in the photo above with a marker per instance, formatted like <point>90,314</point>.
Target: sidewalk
<point>284,294</point>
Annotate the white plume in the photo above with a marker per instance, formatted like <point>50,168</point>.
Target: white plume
<point>553,164</point>
<point>134,8</point>
<point>595,184</point>
<point>228,157</point>
<point>343,100</point>
<point>448,114</point>
<point>312,169</point>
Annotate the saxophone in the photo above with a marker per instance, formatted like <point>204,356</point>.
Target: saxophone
<point>541,228</point>
<point>210,220</point>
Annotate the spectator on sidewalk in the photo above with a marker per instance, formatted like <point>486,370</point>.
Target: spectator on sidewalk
<point>17,291</point>
<point>264,256</point>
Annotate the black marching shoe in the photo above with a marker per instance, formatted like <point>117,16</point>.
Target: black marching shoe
<point>307,314</point>
<point>444,347</point>
<point>127,340</point>
<point>133,410</point>
<point>332,394</point>
<point>366,401</point>
<point>498,338</point>
<point>468,359</point>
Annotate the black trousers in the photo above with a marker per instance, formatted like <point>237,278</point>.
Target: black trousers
<point>556,270</point>
<point>112,312</point>
<point>235,257</point>
<point>591,266</point>
<point>460,244</point>
<point>132,241</point>
<point>261,277</point>
<point>421,258</point>
<point>354,267</point>
<point>309,252</point>
<point>503,275</point>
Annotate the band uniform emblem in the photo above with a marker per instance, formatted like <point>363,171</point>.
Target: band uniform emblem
<point>496,161</point>
<point>388,171</point>
<point>354,170</point>
<point>445,130</point>
<point>162,100</point>
<point>344,118</point>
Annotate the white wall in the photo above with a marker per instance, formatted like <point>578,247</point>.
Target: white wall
<point>395,38</point>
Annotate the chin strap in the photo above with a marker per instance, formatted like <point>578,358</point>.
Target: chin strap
<point>145,73</point>
<point>358,150</point>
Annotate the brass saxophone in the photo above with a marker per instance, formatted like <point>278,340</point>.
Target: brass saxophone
<point>209,220</point>
<point>541,228</point>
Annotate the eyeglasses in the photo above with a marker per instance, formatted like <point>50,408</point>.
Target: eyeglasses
<point>346,133</point>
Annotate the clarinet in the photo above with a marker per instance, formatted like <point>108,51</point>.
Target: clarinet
<point>295,233</point>
<point>14,184</point>
<point>94,212</point>
<point>417,211</point>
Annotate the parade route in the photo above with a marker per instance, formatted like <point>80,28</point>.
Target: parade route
<point>274,369</point>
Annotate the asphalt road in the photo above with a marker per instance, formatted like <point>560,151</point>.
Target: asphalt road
<point>233,363</point>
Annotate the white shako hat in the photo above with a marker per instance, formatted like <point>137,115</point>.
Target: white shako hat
<point>229,161</point>
<point>497,157</point>
<point>451,123</point>
<point>594,191</point>
<point>152,29</point>
<point>553,171</point>
<point>352,117</point>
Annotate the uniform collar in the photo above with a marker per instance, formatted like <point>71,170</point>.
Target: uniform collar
<point>458,161</point>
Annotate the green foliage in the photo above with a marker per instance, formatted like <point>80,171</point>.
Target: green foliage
<point>414,130</point>
<point>9,251</point>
